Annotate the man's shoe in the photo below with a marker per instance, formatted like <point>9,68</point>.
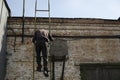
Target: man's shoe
<point>46,73</point>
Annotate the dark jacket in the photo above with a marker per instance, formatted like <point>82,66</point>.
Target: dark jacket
<point>41,36</point>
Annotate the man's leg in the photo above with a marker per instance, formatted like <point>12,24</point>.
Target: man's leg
<point>38,58</point>
<point>44,53</point>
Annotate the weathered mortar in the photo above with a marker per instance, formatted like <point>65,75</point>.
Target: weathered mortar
<point>87,50</point>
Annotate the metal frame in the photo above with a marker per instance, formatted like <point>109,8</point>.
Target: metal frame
<point>53,67</point>
<point>63,68</point>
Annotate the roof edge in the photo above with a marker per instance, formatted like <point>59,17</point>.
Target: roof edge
<point>6,4</point>
<point>68,20</point>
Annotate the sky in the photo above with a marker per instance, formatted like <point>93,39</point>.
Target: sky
<point>105,9</point>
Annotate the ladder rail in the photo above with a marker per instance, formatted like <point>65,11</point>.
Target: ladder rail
<point>33,75</point>
<point>43,10</point>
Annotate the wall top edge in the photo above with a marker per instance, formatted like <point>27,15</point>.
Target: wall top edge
<point>65,20</point>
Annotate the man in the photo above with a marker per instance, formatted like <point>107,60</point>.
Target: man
<point>41,39</point>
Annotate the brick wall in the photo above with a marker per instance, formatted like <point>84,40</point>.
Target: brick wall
<point>88,41</point>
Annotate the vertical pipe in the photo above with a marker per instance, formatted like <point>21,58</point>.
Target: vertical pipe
<point>23,20</point>
<point>49,16</point>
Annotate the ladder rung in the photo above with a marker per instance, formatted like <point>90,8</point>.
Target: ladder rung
<point>43,10</point>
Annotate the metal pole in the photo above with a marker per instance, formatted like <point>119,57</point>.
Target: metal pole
<point>49,16</point>
<point>34,44</point>
<point>53,78</point>
<point>35,13</point>
<point>53,67</point>
<point>23,20</point>
<point>62,77</point>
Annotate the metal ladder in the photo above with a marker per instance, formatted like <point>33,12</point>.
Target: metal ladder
<point>49,19</point>
<point>48,10</point>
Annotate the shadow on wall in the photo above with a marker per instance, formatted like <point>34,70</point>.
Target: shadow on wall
<point>3,56</point>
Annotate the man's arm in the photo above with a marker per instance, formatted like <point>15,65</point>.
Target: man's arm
<point>50,37</point>
<point>34,37</point>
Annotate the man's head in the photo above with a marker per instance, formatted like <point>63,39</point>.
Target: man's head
<point>43,30</point>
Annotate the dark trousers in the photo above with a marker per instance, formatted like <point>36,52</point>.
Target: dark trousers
<point>41,47</point>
